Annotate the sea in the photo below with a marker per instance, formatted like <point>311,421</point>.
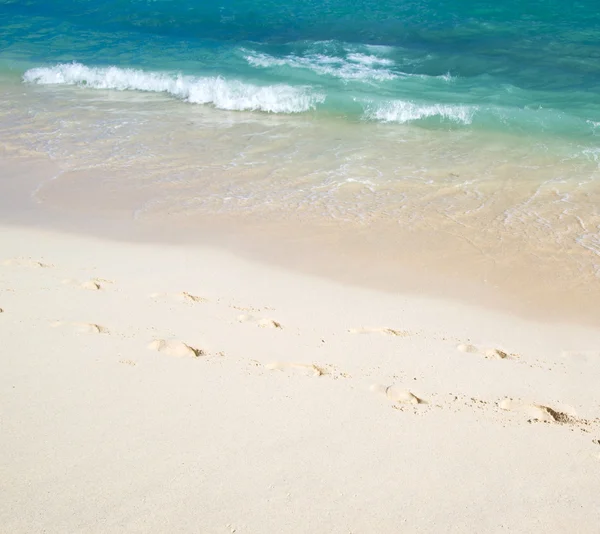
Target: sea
<point>457,137</point>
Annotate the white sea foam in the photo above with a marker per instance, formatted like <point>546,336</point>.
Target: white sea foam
<point>222,93</point>
<point>402,111</point>
<point>257,59</point>
<point>446,77</point>
<point>590,153</point>
<point>367,59</point>
<point>354,67</point>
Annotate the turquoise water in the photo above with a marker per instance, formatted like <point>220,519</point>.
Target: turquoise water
<point>530,67</point>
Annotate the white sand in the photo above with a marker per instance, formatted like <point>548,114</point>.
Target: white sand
<point>148,388</point>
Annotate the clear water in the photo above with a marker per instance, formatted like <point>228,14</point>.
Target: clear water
<point>530,66</point>
<point>474,125</point>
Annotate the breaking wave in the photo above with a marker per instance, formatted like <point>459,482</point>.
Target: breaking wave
<point>361,67</point>
<point>402,111</point>
<point>220,92</point>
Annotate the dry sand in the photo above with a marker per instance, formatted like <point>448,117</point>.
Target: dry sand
<point>155,388</point>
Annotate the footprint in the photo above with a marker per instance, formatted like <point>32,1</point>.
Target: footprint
<point>305,368</point>
<point>397,394</point>
<point>187,297</point>
<point>380,330</point>
<point>490,354</point>
<point>497,354</point>
<point>83,328</point>
<point>95,284</point>
<point>262,322</point>
<point>175,348</point>
<point>21,262</point>
<point>90,328</point>
<point>92,285</point>
<point>537,412</point>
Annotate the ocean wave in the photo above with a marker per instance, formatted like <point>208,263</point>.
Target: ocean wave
<point>355,66</point>
<point>221,93</point>
<point>402,111</point>
<point>346,64</point>
<point>366,59</point>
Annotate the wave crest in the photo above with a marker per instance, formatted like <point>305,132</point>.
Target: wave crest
<point>359,67</point>
<point>221,93</point>
<point>402,111</point>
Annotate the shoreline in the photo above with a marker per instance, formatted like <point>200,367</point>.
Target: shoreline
<point>168,386</point>
<point>324,268</point>
<point>365,257</point>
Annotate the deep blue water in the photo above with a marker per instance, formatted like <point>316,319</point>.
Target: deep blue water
<point>528,66</point>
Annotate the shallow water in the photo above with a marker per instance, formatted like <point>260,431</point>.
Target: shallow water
<point>458,139</point>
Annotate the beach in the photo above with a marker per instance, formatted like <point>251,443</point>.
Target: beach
<point>156,387</point>
<point>299,267</point>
